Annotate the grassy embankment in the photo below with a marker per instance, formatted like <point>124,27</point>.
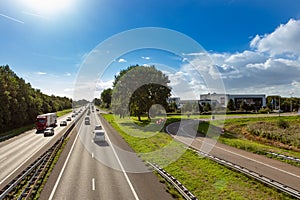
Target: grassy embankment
<point>262,135</point>
<point>203,177</point>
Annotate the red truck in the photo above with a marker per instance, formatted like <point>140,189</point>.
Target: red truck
<point>45,120</point>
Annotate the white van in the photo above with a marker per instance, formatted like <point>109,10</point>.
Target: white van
<point>99,136</point>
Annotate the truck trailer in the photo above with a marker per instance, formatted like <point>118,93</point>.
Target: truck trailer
<point>45,120</point>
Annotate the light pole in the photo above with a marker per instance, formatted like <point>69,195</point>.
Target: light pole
<point>291,102</point>
<point>279,107</point>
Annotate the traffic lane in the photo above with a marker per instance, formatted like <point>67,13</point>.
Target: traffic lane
<point>281,172</point>
<point>17,151</point>
<point>18,139</point>
<point>146,184</point>
<point>86,178</point>
<point>273,169</point>
<point>129,159</point>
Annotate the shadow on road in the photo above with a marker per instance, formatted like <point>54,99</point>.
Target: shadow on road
<point>102,144</point>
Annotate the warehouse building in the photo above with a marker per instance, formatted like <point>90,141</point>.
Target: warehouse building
<point>257,100</point>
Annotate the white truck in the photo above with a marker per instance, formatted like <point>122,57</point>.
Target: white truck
<point>45,120</point>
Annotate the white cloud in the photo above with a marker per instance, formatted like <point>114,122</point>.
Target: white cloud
<point>245,57</point>
<point>41,73</point>
<point>284,40</point>
<point>101,85</point>
<point>270,66</point>
<point>146,57</point>
<point>121,60</point>
<point>11,18</point>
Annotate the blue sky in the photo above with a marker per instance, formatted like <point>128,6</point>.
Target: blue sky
<point>254,44</point>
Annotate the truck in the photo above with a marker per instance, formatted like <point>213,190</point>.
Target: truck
<point>45,120</point>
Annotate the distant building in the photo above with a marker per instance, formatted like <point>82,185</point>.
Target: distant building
<point>257,100</point>
<point>182,102</point>
<point>175,100</point>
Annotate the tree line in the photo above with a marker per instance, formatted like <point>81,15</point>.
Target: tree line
<point>20,103</point>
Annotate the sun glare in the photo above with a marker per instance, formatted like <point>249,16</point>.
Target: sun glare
<point>47,7</point>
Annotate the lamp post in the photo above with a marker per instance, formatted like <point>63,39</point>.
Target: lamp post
<point>279,107</point>
<point>291,106</point>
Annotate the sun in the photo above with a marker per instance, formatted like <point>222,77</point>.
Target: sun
<point>47,7</point>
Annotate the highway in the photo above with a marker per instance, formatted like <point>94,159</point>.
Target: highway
<point>102,170</point>
<point>17,152</point>
<point>281,172</point>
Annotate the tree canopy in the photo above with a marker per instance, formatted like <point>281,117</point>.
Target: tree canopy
<point>20,103</point>
<point>106,97</point>
<point>137,88</point>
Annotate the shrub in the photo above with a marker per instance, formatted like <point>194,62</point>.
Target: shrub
<point>282,124</point>
<point>265,110</point>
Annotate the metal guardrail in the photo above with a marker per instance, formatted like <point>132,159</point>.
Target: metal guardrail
<point>291,191</point>
<point>37,167</point>
<point>171,179</point>
<point>285,157</point>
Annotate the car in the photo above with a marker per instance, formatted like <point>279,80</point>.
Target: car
<point>63,123</point>
<point>87,120</point>
<point>49,131</point>
<point>99,136</point>
<point>69,119</point>
<point>73,115</point>
<point>98,127</point>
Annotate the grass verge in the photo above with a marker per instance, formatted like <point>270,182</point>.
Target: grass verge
<point>15,132</point>
<point>63,112</point>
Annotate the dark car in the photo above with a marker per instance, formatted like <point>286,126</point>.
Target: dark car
<point>69,119</point>
<point>87,120</point>
<point>49,131</point>
<point>63,123</point>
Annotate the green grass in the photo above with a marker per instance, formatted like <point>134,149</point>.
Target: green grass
<point>63,112</point>
<point>277,131</point>
<point>203,177</point>
<point>16,131</point>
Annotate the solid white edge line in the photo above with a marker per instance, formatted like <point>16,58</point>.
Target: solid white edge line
<point>93,184</point>
<point>64,166</point>
<point>215,146</point>
<point>122,168</point>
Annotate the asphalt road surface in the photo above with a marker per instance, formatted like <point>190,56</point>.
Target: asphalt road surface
<point>16,152</point>
<point>101,170</point>
<point>281,172</point>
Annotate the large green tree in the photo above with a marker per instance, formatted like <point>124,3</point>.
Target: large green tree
<point>106,97</point>
<point>137,88</point>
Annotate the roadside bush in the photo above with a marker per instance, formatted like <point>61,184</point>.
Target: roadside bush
<point>264,110</point>
<point>283,124</point>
